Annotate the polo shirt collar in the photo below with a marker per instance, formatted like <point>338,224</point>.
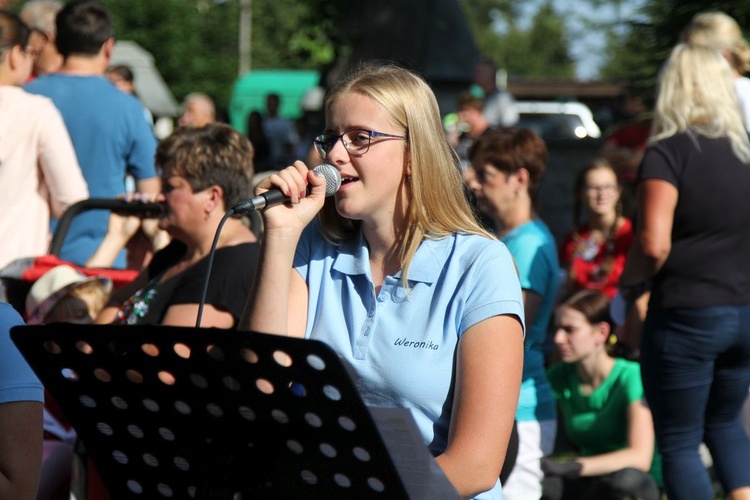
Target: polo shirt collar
<point>353,258</point>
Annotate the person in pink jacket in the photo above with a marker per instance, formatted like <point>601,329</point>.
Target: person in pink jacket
<point>39,172</point>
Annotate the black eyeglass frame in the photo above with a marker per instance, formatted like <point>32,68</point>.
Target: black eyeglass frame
<point>324,143</point>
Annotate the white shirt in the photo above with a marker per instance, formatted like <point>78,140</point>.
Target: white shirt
<point>39,172</point>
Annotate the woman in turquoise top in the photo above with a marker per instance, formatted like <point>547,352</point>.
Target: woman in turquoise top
<point>601,401</point>
<point>397,275</point>
<point>508,166</point>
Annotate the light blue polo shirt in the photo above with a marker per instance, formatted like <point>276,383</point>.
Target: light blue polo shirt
<point>534,249</point>
<point>402,345</point>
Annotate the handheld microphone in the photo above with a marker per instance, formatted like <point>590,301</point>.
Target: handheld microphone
<point>268,199</point>
<point>274,196</point>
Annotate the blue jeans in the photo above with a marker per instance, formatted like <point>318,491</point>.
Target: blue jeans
<point>695,364</point>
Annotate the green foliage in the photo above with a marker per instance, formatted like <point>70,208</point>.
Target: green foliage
<point>195,42</point>
<point>637,55</point>
<point>482,14</point>
<point>548,40</point>
<point>539,51</point>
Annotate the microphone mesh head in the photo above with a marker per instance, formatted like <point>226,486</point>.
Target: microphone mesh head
<point>332,176</point>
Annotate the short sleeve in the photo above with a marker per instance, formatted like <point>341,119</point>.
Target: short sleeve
<point>230,282</point>
<point>141,155</point>
<point>303,252</point>
<point>59,163</point>
<point>493,287</point>
<point>556,377</point>
<point>631,380</point>
<point>17,381</point>
<point>534,265</point>
<point>660,162</point>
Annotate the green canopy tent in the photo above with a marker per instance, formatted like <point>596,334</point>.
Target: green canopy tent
<point>250,91</point>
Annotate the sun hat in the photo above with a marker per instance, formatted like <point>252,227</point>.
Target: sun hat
<point>52,286</point>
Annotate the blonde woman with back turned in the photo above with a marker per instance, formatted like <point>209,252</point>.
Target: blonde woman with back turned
<point>719,31</point>
<point>691,250</point>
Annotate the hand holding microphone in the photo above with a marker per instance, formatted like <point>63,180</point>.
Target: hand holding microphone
<point>294,177</point>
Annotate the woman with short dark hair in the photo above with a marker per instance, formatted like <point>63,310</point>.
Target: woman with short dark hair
<point>205,172</point>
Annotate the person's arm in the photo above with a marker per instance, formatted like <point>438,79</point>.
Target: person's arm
<point>151,185</point>
<point>186,315</point>
<point>159,238</point>
<point>278,303</point>
<point>279,298</point>
<point>488,381</point>
<point>119,296</point>
<point>657,200</point>
<point>531,303</point>
<point>59,164</point>
<point>120,229</point>
<point>20,449</point>
<point>639,452</point>
<point>141,151</point>
<point>21,427</point>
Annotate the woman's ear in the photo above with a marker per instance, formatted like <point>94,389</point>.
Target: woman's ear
<point>16,55</point>
<point>603,331</point>
<point>523,177</point>
<point>407,162</point>
<point>519,180</point>
<point>215,199</point>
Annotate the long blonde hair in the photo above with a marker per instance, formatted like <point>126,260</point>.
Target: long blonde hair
<point>696,92</point>
<point>437,202</point>
<point>719,31</point>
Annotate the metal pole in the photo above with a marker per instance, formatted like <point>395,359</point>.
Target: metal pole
<point>246,19</point>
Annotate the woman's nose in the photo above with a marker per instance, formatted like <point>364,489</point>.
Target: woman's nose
<point>559,336</point>
<point>338,153</point>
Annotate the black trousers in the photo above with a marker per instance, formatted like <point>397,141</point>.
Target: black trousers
<point>625,483</point>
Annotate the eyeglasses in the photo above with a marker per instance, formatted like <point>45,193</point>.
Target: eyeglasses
<point>356,141</point>
<point>5,49</point>
<point>603,188</point>
<point>28,50</point>
<point>37,41</point>
<point>33,52</point>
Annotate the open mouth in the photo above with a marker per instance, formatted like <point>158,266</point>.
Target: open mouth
<point>348,180</point>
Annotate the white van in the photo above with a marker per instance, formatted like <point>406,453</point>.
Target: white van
<point>558,120</point>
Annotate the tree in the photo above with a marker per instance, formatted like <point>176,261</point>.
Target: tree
<point>540,50</point>
<point>547,41</point>
<point>195,42</point>
<point>638,55</point>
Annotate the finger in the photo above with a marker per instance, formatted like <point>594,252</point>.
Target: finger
<point>296,183</point>
<point>289,186</point>
<point>318,183</point>
<point>303,172</point>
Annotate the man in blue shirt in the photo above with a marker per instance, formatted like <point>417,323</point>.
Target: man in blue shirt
<point>109,132</point>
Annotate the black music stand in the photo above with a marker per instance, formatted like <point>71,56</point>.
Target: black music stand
<point>168,412</point>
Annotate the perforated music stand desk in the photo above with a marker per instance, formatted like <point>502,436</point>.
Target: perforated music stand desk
<point>168,412</point>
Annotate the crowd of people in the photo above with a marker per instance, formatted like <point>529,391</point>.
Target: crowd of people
<point>596,367</point>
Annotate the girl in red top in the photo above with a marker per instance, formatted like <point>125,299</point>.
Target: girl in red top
<point>594,253</point>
